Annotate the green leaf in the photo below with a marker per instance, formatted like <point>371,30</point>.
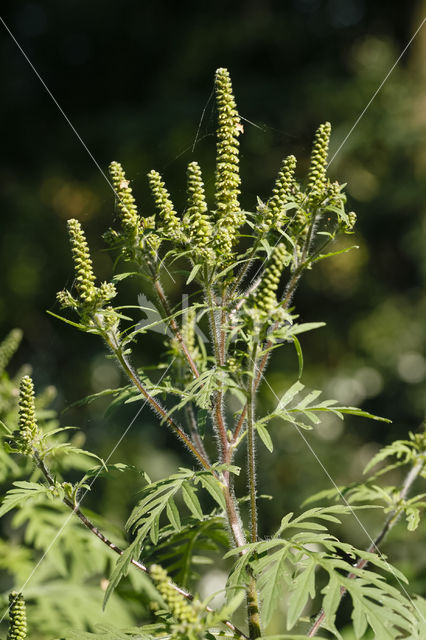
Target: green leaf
<point>331,601</point>
<point>302,588</point>
<point>121,569</point>
<point>305,326</point>
<point>289,395</point>
<point>214,488</point>
<point>191,500</point>
<point>413,518</point>
<point>194,271</point>
<point>264,436</point>
<point>82,327</point>
<point>271,583</point>
<point>308,408</point>
<point>105,469</point>
<point>24,491</point>
<point>335,253</point>
<point>299,352</point>
<point>122,276</point>
<point>173,514</point>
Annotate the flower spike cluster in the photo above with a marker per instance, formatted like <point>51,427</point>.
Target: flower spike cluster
<point>85,278</point>
<point>17,617</point>
<point>90,296</point>
<point>29,434</point>
<point>317,171</point>
<point>172,225</point>
<point>228,181</point>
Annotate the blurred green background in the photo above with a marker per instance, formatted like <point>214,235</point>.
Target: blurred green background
<point>135,79</point>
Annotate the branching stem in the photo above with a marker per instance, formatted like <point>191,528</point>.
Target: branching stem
<point>390,522</point>
<point>89,525</point>
<point>134,378</point>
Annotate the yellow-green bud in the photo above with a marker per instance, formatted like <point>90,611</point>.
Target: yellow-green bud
<point>27,422</point>
<point>265,297</point>
<point>17,617</point>
<point>171,222</point>
<point>351,220</point>
<point>318,167</point>
<point>126,202</point>
<point>8,347</point>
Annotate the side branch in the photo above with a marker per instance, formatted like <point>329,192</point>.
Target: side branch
<point>89,525</point>
<point>390,522</point>
<point>133,377</point>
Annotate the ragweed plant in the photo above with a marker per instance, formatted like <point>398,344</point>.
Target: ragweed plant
<point>243,268</point>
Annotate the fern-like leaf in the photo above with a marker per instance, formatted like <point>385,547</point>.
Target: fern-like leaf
<point>23,492</point>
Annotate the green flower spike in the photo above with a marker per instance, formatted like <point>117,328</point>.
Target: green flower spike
<point>317,170</point>
<point>228,179</point>
<point>17,617</point>
<point>281,194</point>
<point>184,612</point>
<point>8,347</point>
<point>196,221</point>
<point>91,298</point>
<point>172,225</point>
<point>27,422</point>
<point>126,202</point>
<point>85,278</point>
<point>265,297</point>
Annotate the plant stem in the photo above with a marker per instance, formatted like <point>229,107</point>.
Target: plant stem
<point>253,611</point>
<point>89,525</point>
<point>390,522</point>
<point>193,427</point>
<point>252,598</point>
<point>213,325</point>
<point>133,377</point>
<point>251,448</point>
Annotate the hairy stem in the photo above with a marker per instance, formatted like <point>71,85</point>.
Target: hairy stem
<point>253,611</point>
<point>390,522</point>
<point>251,448</point>
<point>253,615</point>
<point>195,433</point>
<point>133,377</point>
<point>213,325</point>
<point>89,525</point>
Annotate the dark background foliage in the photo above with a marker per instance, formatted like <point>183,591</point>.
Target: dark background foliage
<point>135,79</point>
